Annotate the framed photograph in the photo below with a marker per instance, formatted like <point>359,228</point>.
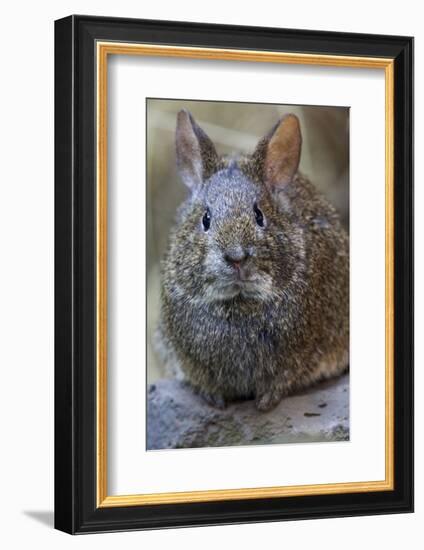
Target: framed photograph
<point>234,274</point>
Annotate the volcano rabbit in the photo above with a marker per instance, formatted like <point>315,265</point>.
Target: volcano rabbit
<point>255,282</point>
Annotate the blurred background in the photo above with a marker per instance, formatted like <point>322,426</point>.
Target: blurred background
<point>234,128</point>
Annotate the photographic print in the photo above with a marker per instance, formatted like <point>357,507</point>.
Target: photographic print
<point>247,273</point>
<point>233,269</point>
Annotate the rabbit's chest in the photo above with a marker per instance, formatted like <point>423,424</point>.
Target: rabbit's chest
<point>233,351</point>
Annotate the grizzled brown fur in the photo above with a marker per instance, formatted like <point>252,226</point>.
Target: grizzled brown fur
<point>255,282</point>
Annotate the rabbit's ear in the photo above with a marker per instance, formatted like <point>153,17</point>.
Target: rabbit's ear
<point>196,155</point>
<point>279,152</point>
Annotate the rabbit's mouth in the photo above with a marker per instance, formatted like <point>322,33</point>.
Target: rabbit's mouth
<point>228,279</point>
<point>249,288</point>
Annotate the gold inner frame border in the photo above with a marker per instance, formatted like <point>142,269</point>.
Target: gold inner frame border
<point>103,50</point>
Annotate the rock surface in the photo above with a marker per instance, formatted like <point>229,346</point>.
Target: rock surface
<point>177,418</point>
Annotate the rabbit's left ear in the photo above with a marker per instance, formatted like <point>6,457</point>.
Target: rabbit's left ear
<point>279,152</point>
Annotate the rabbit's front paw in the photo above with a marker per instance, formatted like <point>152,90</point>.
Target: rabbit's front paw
<point>214,399</point>
<point>267,401</point>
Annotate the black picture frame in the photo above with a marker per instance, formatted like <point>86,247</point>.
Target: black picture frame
<point>76,508</point>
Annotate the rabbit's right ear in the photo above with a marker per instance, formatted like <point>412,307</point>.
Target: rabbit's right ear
<point>197,158</point>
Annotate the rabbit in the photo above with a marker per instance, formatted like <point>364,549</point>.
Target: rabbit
<point>255,280</point>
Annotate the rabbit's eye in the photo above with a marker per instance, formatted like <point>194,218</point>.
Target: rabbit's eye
<point>258,215</point>
<point>206,220</point>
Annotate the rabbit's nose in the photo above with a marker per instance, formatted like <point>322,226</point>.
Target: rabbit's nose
<point>236,256</point>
